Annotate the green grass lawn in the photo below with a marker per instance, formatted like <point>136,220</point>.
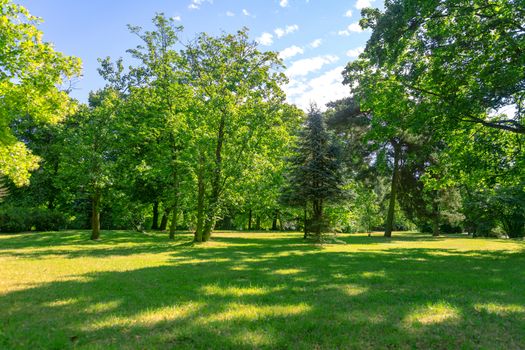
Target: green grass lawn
<point>260,290</point>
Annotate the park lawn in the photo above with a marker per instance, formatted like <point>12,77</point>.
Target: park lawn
<point>58,290</point>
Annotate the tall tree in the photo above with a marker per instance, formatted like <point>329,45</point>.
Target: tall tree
<point>238,88</point>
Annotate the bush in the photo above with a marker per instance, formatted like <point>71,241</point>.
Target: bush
<point>47,220</point>
<point>20,219</point>
<point>13,219</point>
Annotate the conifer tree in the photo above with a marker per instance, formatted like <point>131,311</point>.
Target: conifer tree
<point>314,175</point>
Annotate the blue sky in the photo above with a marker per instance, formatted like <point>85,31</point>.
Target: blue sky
<point>316,38</point>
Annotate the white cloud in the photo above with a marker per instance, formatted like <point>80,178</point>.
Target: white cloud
<point>290,52</point>
<point>245,12</point>
<point>176,18</point>
<point>343,32</point>
<point>230,14</point>
<point>283,3</point>
<point>361,4</point>
<point>305,66</point>
<point>280,32</point>
<point>354,27</point>
<point>196,4</point>
<point>321,90</point>
<point>316,43</point>
<point>355,52</point>
<point>266,39</point>
<point>348,13</point>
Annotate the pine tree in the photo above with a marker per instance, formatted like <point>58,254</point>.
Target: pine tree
<point>314,174</point>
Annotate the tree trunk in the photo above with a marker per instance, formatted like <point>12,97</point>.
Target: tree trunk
<point>389,226</point>
<point>155,221</point>
<point>164,220</point>
<point>174,210</point>
<point>275,218</point>
<point>213,204</point>
<point>53,192</point>
<point>250,220</point>
<point>318,217</point>
<point>258,223</point>
<point>305,220</point>
<point>435,218</point>
<point>173,224</point>
<point>51,202</point>
<point>95,216</point>
<point>200,202</point>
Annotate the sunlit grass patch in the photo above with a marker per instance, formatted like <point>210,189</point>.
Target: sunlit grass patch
<point>235,291</point>
<point>500,309</point>
<point>373,274</point>
<point>251,312</point>
<point>353,290</point>
<point>287,271</point>
<point>148,317</point>
<point>432,313</point>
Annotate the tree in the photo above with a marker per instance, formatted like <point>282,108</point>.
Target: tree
<point>30,71</point>
<point>440,68</point>
<point>90,158</point>
<point>315,174</point>
<point>238,102</point>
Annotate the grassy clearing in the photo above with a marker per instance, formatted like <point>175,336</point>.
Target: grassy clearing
<point>260,290</point>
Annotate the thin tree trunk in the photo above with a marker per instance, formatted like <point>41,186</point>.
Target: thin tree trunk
<point>215,183</point>
<point>200,202</point>
<point>258,223</point>
<point>435,218</point>
<point>274,220</point>
<point>95,216</point>
<point>175,208</point>
<point>250,220</point>
<point>53,192</point>
<point>173,224</point>
<point>155,221</point>
<point>318,217</point>
<point>389,226</point>
<point>164,220</point>
<point>305,218</point>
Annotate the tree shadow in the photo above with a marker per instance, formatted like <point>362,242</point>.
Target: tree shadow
<point>277,293</point>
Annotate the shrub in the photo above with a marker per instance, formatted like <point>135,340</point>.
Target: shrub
<point>19,219</point>
<point>47,220</point>
<point>14,219</point>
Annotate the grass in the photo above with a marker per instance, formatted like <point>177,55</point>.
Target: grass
<point>260,290</point>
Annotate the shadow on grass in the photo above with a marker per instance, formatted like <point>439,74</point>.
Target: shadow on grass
<point>275,293</point>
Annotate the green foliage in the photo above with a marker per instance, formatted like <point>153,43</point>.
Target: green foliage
<point>31,72</point>
<point>14,219</point>
<point>461,61</point>
<point>19,219</point>
<point>501,206</point>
